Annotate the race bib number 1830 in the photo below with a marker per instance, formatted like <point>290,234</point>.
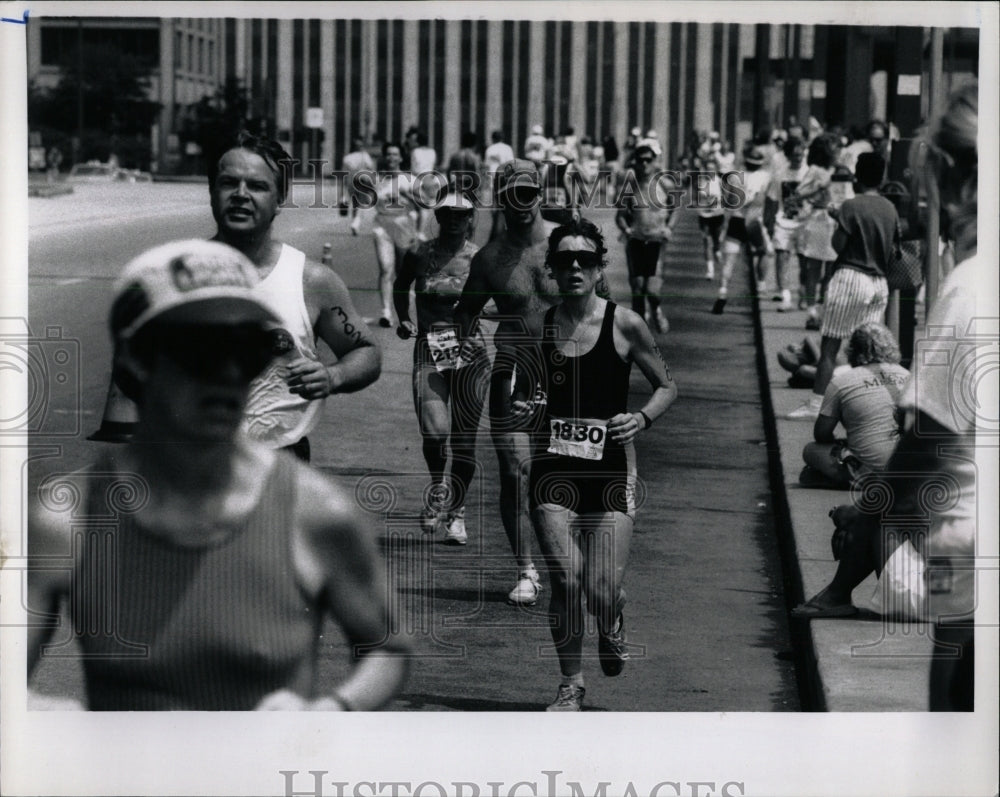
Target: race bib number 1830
<point>577,438</point>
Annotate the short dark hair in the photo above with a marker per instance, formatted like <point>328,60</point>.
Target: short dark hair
<point>791,144</point>
<point>497,136</point>
<point>271,151</point>
<point>387,145</point>
<point>870,169</point>
<point>822,152</point>
<point>581,227</point>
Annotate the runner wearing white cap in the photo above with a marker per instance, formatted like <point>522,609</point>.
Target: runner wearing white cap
<point>448,393</point>
<point>223,557</point>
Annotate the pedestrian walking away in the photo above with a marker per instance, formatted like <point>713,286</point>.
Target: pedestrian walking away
<point>866,241</point>
<point>448,393</point>
<point>285,402</point>
<point>225,557</point>
<point>582,487</point>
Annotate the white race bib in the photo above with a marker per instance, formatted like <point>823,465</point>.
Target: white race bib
<point>582,439</point>
<point>444,348</point>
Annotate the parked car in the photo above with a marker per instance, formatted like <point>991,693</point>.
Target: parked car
<point>99,172</point>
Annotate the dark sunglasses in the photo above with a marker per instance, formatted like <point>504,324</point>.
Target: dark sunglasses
<point>521,198</point>
<point>205,350</point>
<point>567,257</point>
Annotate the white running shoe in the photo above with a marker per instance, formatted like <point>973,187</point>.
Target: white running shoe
<point>786,305</point>
<point>455,534</point>
<point>525,592</point>
<point>710,270</point>
<point>568,698</point>
<point>809,411</point>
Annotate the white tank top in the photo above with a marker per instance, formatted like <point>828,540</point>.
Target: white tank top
<point>275,417</point>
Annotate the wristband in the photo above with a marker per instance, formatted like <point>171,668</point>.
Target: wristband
<point>645,417</point>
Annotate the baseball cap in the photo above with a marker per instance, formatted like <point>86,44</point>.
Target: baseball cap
<point>537,130</point>
<point>190,282</point>
<point>649,143</point>
<point>455,200</point>
<point>515,174</point>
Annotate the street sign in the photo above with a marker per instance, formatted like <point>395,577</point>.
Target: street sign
<point>314,117</point>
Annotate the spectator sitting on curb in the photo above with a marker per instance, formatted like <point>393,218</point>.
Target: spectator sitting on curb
<point>863,398</point>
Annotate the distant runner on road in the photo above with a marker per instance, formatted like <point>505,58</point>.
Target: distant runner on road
<point>445,390</point>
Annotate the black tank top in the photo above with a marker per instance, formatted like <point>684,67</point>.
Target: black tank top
<point>594,385</point>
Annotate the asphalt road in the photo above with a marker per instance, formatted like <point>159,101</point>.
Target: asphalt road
<point>706,612</point>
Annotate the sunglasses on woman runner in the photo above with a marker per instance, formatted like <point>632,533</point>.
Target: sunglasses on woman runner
<point>567,257</point>
<point>205,350</point>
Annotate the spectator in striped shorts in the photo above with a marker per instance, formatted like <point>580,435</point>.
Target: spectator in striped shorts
<point>866,240</point>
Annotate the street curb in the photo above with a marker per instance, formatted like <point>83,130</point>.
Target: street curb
<point>811,693</point>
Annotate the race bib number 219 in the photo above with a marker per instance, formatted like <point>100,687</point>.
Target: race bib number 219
<point>576,438</point>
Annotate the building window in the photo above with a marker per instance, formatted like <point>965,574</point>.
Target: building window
<point>178,50</point>
<point>190,53</point>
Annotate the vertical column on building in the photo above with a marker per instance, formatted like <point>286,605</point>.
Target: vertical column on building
<point>408,104</point>
<point>857,79</point>
<point>536,83</point>
<point>660,114</point>
<point>578,78</point>
<point>166,98</point>
<point>326,78</point>
<point>680,79</point>
<point>703,101</point>
<point>805,48</point>
<point>494,78</point>
<point>762,57</point>
<point>722,101</point>
<point>283,73</point>
<point>452,46</point>
<point>906,86</point>
<point>240,49</point>
<point>817,105</point>
<point>622,124</point>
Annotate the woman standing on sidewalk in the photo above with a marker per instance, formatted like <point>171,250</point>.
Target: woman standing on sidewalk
<point>440,268</point>
<point>583,477</point>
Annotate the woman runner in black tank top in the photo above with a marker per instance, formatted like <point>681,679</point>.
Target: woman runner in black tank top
<point>582,479</point>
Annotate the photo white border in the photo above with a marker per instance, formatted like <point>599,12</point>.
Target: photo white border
<point>770,754</point>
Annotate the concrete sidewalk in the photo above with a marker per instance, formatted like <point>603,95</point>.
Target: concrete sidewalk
<point>862,663</point>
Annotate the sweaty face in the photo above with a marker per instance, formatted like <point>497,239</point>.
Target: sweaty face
<point>244,194</point>
<point>576,266</point>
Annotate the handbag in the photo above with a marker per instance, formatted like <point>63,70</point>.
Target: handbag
<point>906,271</point>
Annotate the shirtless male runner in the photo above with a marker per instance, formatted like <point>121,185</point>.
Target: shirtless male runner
<point>511,270</point>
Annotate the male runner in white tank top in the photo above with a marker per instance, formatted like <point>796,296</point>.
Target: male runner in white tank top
<point>247,187</point>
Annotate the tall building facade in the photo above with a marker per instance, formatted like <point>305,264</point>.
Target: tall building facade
<point>376,78</point>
